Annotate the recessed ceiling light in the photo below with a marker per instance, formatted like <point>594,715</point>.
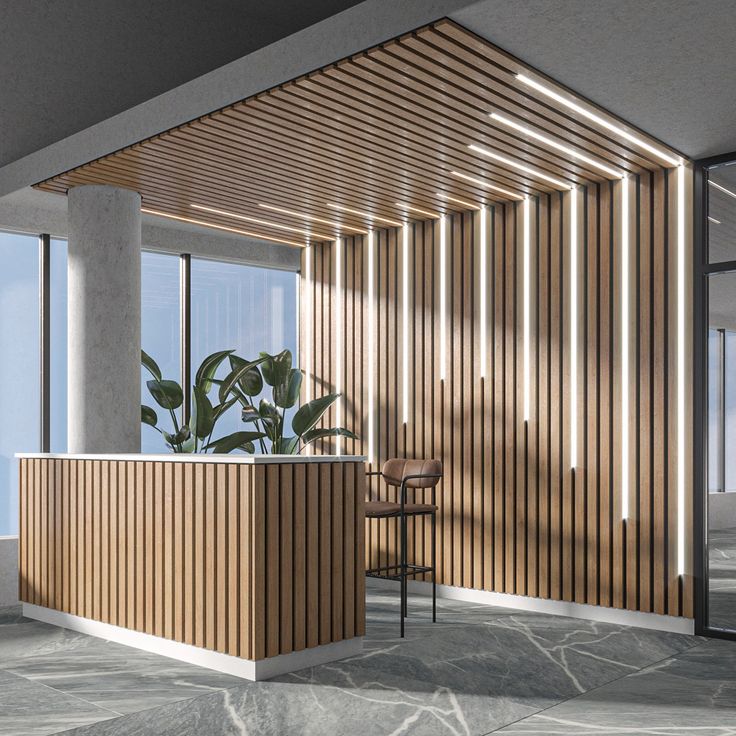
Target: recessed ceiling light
<point>268,223</point>
<point>203,223</point>
<point>517,165</point>
<point>312,218</point>
<point>367,215</point>
<point>487,185</point>
<point>433,215</point>
<point>723,189</point>
<point>554,144</point>
<point>470,205</point>
<point>713,220</point>
<point>618,130</point>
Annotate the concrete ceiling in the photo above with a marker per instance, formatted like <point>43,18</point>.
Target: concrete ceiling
<point>667,66</point>
<point>664,65</point>
<point>68,64</point>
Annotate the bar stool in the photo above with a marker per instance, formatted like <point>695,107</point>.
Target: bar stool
<point>404,474</point>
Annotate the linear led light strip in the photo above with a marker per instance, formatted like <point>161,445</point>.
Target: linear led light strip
<point>370,217</point>
<point>312,218</point>
<point>574,328</point>
<point>681,369</point>
<point>618,130</point>
<point>723,189</point>
<point>485,185</point>
<point>371,346</point>
<point>405,325</point>
<point>483,282</point>
<point>203,223</point>
<point>469,205</point>
<point>527,367</point>
<point>519,166</point>
<point>338,341</point>
<point>625,348</point>
<point>408,207</point>
<point>308,328</point>
<point>443,298</point>
<point>268,223</point>
<point>308,305</point>
<point>555,144</point>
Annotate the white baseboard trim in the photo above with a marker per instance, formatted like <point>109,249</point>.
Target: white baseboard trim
<point>260,669</point>
<point>656,621</point>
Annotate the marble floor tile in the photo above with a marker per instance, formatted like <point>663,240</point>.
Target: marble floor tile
<point>524,656</point>
<point>120,678</point>
<point>24,639</point>
<point>340,699</point>
<point>691,693</point>
<point>30,709</point>
<point>12,615</point>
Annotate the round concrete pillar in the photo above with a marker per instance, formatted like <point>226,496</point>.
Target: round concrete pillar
<point>104,320</point>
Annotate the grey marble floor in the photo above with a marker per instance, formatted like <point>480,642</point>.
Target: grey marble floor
<point>479,669</point>
<point>722,578</point>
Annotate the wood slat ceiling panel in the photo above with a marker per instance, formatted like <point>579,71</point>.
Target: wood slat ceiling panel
<point>381,135</point>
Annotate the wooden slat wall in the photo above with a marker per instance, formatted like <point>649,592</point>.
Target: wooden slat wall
<point>513,516</point>
<point>249,560</point>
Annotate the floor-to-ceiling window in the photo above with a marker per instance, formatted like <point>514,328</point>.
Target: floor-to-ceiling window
<point>242,308</point>
<point>718,346</point>
<point>58,343</point>
<point>19,365</point>
<point>233,305</point>
<point>160,329</point>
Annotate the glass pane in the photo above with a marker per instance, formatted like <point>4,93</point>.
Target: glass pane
<point>19,368</point>
<point>722,213</point>
<point>160,333</point>
<point>715,444</point>
<point>58,356</point>
<point>721,446</point>
<point>241,308</point>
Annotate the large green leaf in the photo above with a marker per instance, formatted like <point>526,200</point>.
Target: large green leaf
<point>244,375</point>
<point>276,368</point>
<point>208,368</point>
<point>285,446</point>
<point>220,409</point>
<point>175,440</point>
<point>148,415</point>
<point>203,416</point>
<point>310,413</point>
<point>286,394</point>
<point>150,365</point>
<point>168,394</point>
<point>271,419</point>
<point>233,441</point>
<point>250,414</point>
<point>319,432</point>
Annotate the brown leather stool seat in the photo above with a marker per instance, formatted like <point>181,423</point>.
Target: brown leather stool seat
<point>417,475</point>
<point>379,509</point>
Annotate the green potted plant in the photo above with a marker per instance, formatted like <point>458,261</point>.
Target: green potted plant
<point>243,384</point>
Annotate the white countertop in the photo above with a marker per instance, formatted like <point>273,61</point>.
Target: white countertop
<point>240,459</point>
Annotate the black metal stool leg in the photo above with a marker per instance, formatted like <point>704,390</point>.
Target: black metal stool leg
<point>403,572</point>
<point>434,567</point>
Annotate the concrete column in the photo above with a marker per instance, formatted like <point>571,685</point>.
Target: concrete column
<point>104,320</point>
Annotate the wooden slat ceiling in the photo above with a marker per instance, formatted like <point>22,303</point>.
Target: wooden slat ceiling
<point>359,143</point>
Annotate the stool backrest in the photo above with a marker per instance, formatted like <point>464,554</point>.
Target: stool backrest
<point>396,469</point>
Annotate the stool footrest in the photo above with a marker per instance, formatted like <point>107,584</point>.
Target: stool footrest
<point>386,574</point>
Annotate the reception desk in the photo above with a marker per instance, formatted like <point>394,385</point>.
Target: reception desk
<point>252,565</point>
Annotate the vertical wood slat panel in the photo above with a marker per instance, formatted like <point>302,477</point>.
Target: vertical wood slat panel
<point>253,561</point>
<point>546,530</point>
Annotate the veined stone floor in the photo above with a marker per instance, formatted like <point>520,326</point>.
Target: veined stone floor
<point>478,670</point>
